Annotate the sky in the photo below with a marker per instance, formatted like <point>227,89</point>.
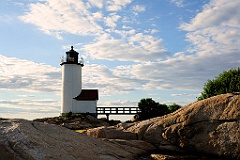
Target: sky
<point>133,49</point>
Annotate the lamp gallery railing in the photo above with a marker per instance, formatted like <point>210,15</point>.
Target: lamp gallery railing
<point>64,59</point>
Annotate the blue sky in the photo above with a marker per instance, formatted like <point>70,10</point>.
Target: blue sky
<point>133,49</point>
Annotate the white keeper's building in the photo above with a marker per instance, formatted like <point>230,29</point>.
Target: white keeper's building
<point>74,98</point>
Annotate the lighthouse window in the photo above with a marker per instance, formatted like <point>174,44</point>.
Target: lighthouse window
<point>69,58</point>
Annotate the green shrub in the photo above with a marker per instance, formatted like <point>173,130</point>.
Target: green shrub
<point>149,109</point>
<point>173,107</point>
<point>226,82</point>
<point>70,115</point>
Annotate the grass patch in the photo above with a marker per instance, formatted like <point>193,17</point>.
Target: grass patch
<point>81,130</point>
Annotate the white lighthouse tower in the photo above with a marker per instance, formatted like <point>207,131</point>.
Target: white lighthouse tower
<point>74,98</point>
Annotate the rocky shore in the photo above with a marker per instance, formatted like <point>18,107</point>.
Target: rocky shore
<point>27,140</point>
<point>210,127</point>
<point>77,121</point>
<point>207,129</point>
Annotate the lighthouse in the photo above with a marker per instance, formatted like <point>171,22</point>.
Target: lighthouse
<point>74,98</point>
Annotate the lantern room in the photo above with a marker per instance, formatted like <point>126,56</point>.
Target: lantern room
<point>72,58</point>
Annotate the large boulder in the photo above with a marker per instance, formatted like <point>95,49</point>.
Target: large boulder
<point>27,140</point>
<point>210,126</point>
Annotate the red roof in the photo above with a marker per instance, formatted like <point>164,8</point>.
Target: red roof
<point>88,94</point>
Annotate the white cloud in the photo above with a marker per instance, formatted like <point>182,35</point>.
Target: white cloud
<point>109,81</point>
<point>26,105</point>
<point>180,72</point>
<point>124,34</point>
<point>29,76</point>
<point>111,20</point>
<point>217,13</point>
<point>184,72</point>
<point>55,17</point>
<point>18,4</point>
<point>98,3</point>
<point>178,3</point>
<point>26,95</point>
<point>184,94</point>
<point>147,42</point>
<point>126,27</point>
<point>97,15</point>
<point>119,103</point>
<point>116,5</point>
<point>139,8</point>
<point>75,17</point>
<point>215,30</point>
<point>138,47</point>
<point>153,31</point>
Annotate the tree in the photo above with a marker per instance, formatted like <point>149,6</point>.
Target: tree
<point>173,107</point>
<point>149,109</point>
<point>226,82</point>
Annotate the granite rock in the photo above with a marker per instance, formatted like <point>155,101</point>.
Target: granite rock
<point>210,126</point>
<point>27,140</point>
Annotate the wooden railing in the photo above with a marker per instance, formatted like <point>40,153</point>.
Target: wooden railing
<point>117,110</point>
